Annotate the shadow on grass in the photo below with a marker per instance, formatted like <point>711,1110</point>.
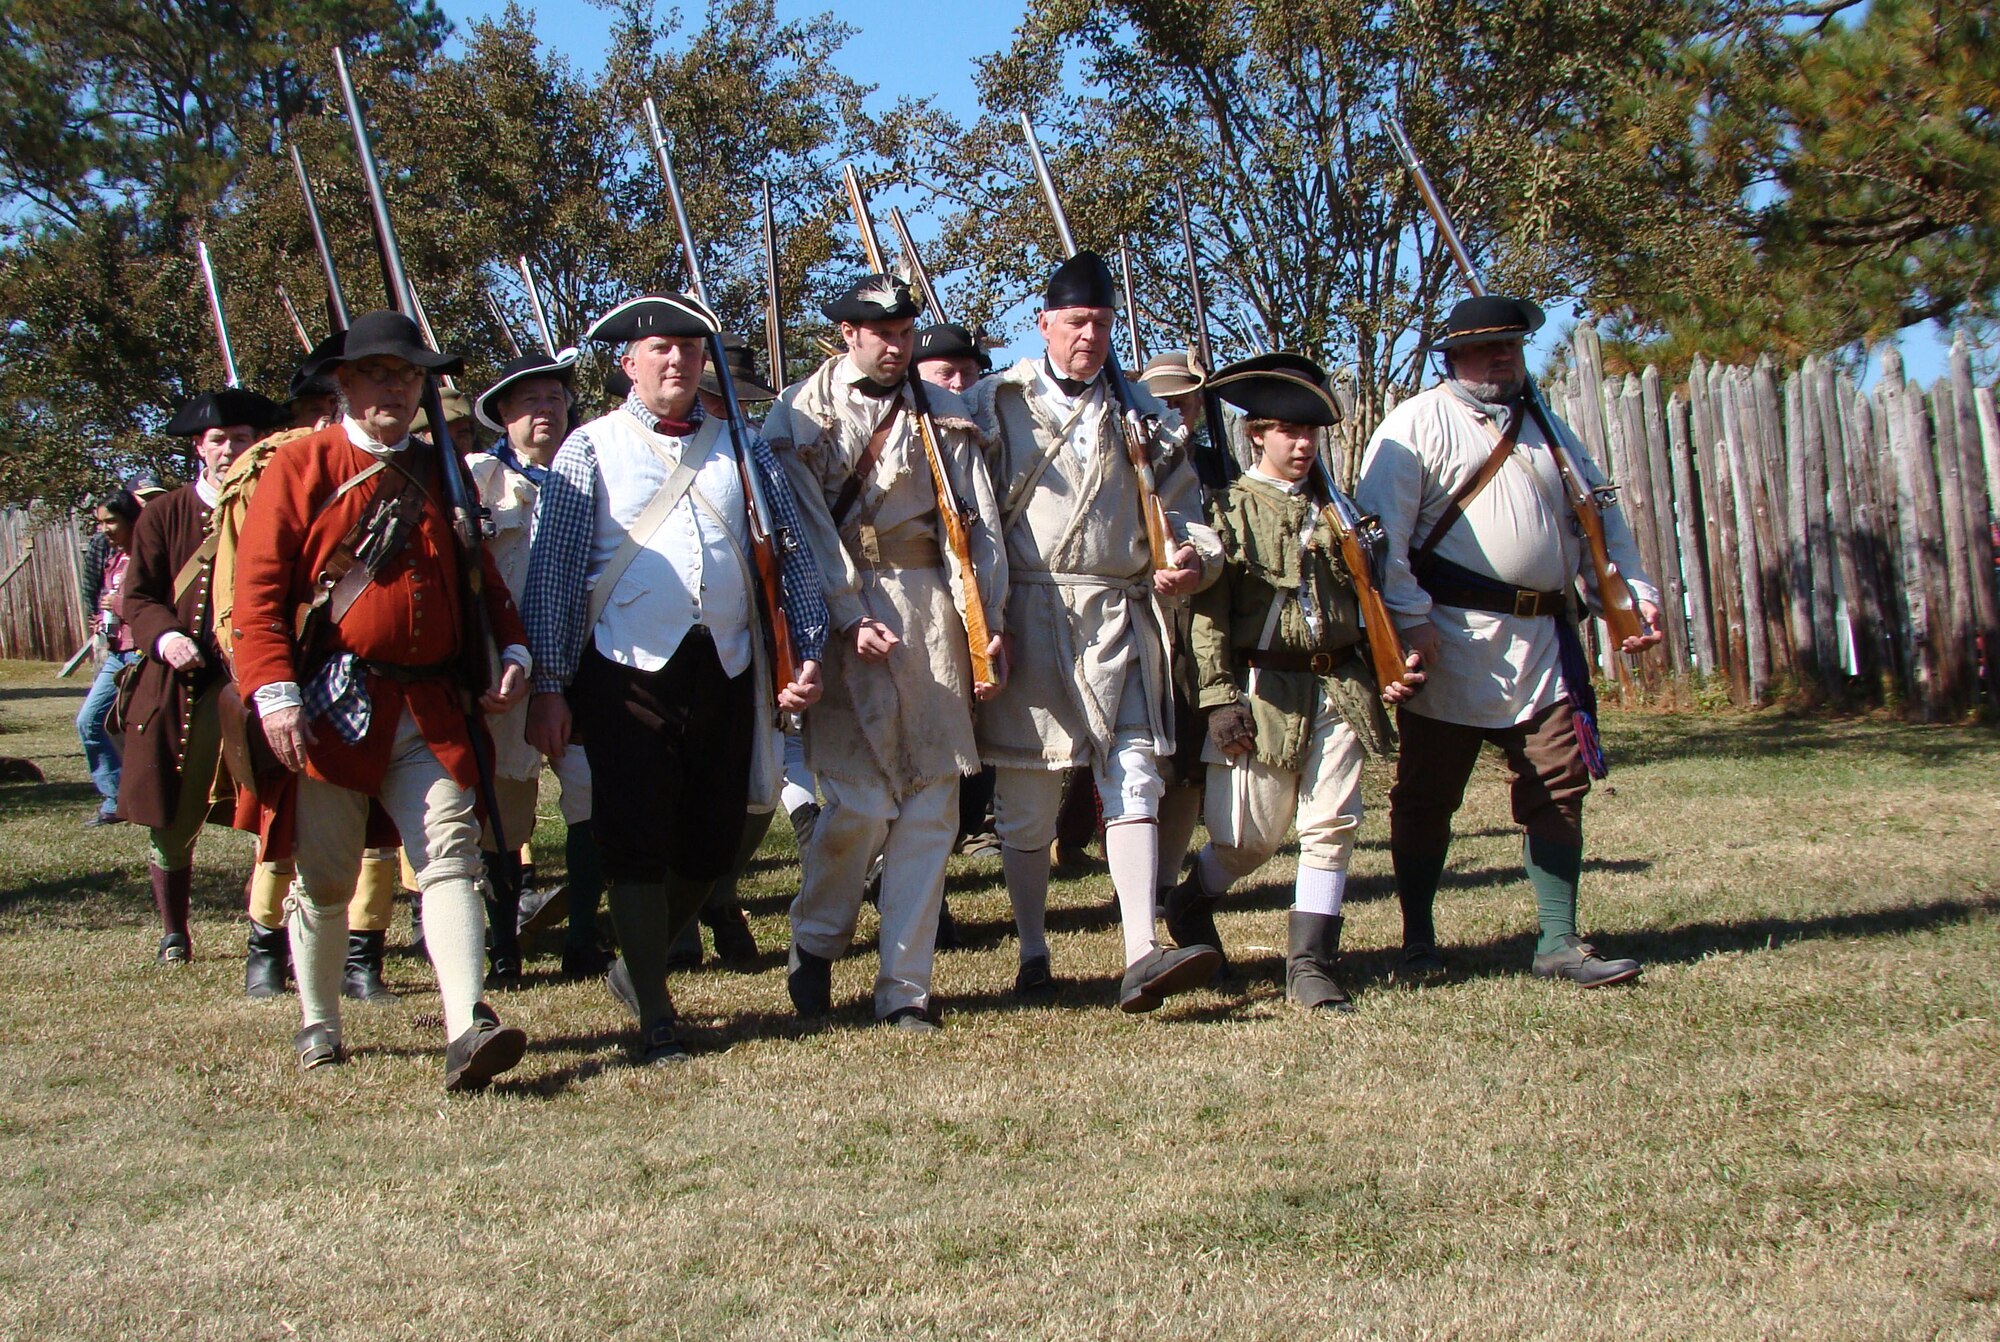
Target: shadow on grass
<point>62,690</point>
<point>1662,740</point>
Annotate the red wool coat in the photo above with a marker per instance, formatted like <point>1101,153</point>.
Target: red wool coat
<point>408,616</point>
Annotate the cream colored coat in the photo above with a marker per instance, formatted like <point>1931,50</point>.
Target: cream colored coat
<point>1089,640</point>
<point>509,498</point>
<point>906,721</point>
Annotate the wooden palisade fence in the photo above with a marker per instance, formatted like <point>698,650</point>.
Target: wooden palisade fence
<point>41,614</point>
<point>1820,543</point>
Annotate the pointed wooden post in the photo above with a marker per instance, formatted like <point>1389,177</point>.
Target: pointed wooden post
<point>1688,536</point>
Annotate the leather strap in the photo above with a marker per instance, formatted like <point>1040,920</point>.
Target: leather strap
<point>1471,489</point>
<point>850,488</point>
<point>1521,601</point>
<point>1276,659</point>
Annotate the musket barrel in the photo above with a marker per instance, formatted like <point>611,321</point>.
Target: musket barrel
<point>506,329</point>
<point>1435,204</point>
<point>916,264</point>
<point>774,318</point>
<point>298,327</point>
<point>535,305</point>
<point>215,312</point>
<point>1131,305</point>
<point>659,135</point>
<point>336,302</point>
<point>857,201</point>
<point>1201,348</point>
<point>1048,185</point>
<point>394,276</point>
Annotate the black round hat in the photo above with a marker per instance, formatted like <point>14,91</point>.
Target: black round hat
<point>381,332</point>
<point>874,298</point>
<point>222,409</point>
<point>561,366</point>
<point>1083,281</point>
<point>671,315</point>
<point>742,371</point>
<point>1489,317</point>
<point>1286,387</point>
<point>948,340</point>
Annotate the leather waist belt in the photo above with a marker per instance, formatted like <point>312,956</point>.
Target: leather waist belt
<point>1318,663</point>
<point>1520,601</point>
<point>405,675</point>
<point>915,552</point>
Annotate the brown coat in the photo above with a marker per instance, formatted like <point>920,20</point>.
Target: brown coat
<point>168,532</point>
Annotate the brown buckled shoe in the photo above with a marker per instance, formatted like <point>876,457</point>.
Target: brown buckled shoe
<point>1579,962</point>
<point>482,1052</point>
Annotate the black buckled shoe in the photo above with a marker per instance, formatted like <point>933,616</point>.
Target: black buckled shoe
<point>543,910</point>
<point>483,1052</point>
<point>1579,962</point>
<point>1033,979</point>
<point>1420,965</point>
<point>317,1047</point>
<point>361,978</point>
<point>810,983</point>
<point>1190,913</point>
<point>1162,973</point>
<point>735,944</point>
<point>585,962</point>
<point>176,949</point>
<point>264,964</point>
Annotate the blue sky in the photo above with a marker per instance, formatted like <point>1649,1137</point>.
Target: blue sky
<point>929,50</point>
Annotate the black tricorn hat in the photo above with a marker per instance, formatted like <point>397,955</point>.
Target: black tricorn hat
<point>1489,317</point>
<point>311,377</point>
<point>223,409</point>
<point>742,371</point>
<point>874,298</point>
<point>617,384</point>
<point>948,340</point>
<point>673,315</point>
<point>561,366</point>
<point>1289,388</point>
<point>1083,281</point>
<point>381,332</point>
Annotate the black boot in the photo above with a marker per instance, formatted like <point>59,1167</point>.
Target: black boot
<point>362,978</point>
<point>503,919</point>
<point>1312,944</point>
<point>266,963</point>
<point>1190,915</point>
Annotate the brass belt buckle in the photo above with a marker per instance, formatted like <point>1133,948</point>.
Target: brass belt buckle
<point>1527,603</point>
<point>1322,663</point>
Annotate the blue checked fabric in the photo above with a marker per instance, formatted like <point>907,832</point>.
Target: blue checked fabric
<point>556,601</point>
<point>338,692</point>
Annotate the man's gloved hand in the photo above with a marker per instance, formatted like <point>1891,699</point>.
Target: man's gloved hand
<point>1232,729</point>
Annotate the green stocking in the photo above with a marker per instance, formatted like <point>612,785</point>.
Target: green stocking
<point>1554,868</point>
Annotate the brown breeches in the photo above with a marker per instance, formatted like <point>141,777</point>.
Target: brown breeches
<point>1544,769</point>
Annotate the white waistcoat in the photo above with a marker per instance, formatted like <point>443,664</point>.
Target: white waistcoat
<point>693,570</point>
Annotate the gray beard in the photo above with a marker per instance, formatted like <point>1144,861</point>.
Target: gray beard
<point>1494,393</point>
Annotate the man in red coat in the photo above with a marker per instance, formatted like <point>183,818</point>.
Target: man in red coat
<point>172,738</point>
<point>375,706</point>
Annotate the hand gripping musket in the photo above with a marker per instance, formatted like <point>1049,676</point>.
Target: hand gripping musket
<point>1218,466</point>
<point>542,326</point>
<point>774,308</point>
<point>785,664</point>
<point>506,327</point>
<point>215,314</point>
<point>1137,428</point>
<point>336,303</point>
<point>1614,594</point>
<point>957,520</point>
<point>476,641</point>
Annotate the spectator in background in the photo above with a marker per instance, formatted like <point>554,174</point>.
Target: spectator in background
<point>110,548</point>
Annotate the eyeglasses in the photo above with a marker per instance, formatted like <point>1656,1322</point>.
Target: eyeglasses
<point>385,373</point>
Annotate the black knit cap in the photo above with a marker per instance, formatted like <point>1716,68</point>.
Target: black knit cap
<point>1289,388</point>
<point>224,409</point>
<point>1083,281</point>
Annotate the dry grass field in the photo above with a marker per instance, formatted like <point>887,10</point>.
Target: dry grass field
<point>1786,1129</point>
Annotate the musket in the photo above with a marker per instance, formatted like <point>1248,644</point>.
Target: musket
<point>215,312</point>
<point>785,664</point>
<point>1138,429</point>
<point>1131,305</point>
<point>957,535</point>
<point>1614,593</point>
<point>298,327</point>
<point>916,265</point>
<point>774,320</point>
<point>535,305</point>
<point>336,302</point>
<point>1362,542</point>
<point>423,321</point>
<point>1220,465</point>
<point>506,328</point>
